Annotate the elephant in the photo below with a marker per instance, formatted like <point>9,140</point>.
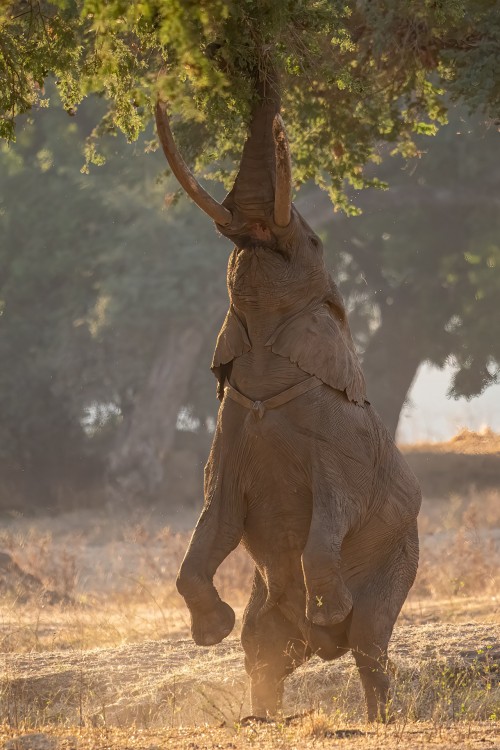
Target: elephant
<point>301,471</point>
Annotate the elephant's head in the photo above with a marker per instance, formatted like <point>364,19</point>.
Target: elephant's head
<point>278,262</point>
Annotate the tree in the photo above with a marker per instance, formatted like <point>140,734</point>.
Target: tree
<point>353,76</point>
<point>420,268</point>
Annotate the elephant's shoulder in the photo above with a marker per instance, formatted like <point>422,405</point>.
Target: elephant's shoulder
<point>320,345</point>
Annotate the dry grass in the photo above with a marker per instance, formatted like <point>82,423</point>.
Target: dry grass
<point>465,443</point>
<point>460,550</point>
<point>469,462</point>
<point>113,667</point>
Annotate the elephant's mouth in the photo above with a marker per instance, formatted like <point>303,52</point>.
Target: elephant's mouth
<point>250,246</point>
<point>249,242</point>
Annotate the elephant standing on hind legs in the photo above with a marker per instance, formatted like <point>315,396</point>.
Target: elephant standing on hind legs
<point>301,470</point>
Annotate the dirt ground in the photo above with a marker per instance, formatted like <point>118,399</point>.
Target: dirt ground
<point>95,648</point>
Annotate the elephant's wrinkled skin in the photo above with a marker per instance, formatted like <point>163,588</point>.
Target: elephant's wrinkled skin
<point>314,488</point>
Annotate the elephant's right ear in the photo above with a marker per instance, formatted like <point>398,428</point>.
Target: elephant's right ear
<point>232,342</point>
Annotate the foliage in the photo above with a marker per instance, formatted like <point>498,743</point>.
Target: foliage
<point>353,73</point>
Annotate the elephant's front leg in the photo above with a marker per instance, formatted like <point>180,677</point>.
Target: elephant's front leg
<point>217,533</point>
<point>328,600</point>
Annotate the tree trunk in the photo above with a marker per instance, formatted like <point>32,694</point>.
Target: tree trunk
<point>136,464</point>
<point>390,364</point>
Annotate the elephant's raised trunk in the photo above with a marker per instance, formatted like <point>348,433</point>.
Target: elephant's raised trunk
<point>263,185</point>
<point>253,191</point>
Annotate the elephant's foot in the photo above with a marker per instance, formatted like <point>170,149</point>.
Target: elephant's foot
<point>328,604</point>
<point>209,628</point>
<point>328,643</point>
<point>266,692</point>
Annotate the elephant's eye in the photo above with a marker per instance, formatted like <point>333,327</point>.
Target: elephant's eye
<point>314,241</point>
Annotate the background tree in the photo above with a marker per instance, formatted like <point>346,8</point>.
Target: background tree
<point>100,290</point>
<point>421,267</point>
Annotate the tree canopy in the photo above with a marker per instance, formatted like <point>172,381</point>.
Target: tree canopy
<point>353,73</point>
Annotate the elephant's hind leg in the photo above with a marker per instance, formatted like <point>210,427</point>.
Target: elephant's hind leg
<point>369,636</point>
<point>375,680</point>
<point>273,647</point>
<point>376,608</point>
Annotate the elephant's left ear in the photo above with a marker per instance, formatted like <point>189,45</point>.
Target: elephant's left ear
<point>232,342</point>
<point>319,342</point>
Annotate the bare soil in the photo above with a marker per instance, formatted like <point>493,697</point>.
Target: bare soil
<point>165,682</point>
